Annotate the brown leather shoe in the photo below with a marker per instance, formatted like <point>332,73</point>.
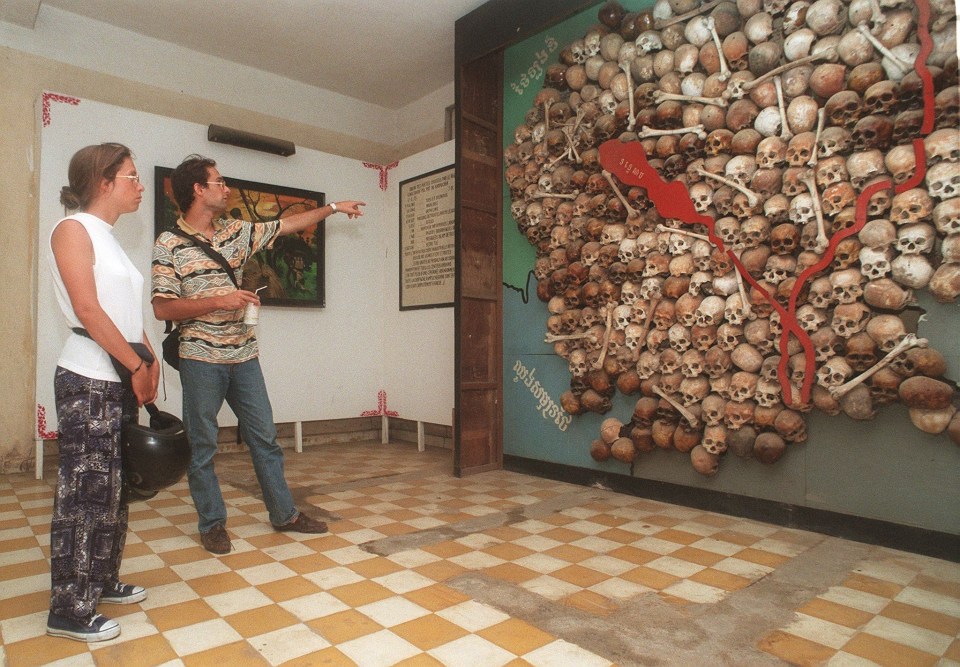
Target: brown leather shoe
<point>303,524</point>
<point>216,540</point>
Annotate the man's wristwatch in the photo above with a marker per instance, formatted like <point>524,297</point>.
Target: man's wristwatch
<point>333,206</point>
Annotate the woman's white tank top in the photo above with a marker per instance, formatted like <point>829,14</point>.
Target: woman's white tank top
<point>119,290</point>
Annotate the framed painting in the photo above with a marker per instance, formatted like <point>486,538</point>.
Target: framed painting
<point>292,271</point>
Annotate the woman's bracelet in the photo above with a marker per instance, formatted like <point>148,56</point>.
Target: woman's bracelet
<point>135,370</point>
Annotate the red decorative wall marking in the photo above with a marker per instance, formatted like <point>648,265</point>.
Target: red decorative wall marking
<point>42,425</point>
<point>383,168</point>
<point>53,97</point>
<point>381,407</point>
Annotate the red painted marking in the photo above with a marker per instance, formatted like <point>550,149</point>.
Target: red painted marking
<point>47,98</point>
<point>383,169</point>
<point>381,407</point>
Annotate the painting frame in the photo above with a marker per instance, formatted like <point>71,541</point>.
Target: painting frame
<point>293,270</point>
<point>427,248</point>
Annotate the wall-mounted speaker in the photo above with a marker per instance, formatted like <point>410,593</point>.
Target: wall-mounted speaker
<point>257,142</point>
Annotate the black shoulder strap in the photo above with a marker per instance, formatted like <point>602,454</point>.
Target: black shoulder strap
<point>213,254</point>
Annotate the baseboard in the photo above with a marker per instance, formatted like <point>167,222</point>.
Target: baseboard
<point>936,544</point>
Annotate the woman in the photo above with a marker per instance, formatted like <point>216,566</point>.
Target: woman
<point>101,292</point>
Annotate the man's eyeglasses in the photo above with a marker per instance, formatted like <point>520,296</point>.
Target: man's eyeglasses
<point>222,183</point>
<point>134,177</point>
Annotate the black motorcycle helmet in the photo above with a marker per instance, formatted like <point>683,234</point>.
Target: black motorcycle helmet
<point>154,456</point>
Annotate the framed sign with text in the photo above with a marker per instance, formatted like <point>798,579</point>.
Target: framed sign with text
<point>427,255</point>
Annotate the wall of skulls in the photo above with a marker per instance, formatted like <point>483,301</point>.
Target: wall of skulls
<point>822,142</point>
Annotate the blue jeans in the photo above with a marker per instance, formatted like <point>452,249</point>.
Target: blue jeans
<point>205,386</point>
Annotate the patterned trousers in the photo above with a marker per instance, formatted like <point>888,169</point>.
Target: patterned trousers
<point>89,526</point>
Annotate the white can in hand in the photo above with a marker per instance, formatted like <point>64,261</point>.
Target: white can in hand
<point>251,314</point>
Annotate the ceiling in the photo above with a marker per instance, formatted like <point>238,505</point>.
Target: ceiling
<point>385,52</point>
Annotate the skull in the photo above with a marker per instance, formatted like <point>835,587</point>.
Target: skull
<point>693,390</point>
<point>913,205</point>
<point>847,285</point>
<point>776,208</point>
<point>881,97</point>
<point>771,152</point>
<point>629,293</point>
<point>679,244</point>
<point>837,197</point>
<point>679,337</point>
<point>861,351</point>
<point>755,231</point>
<point>784,239</point>
<point>692,363</point>
<point>790,425</point>
<point>767,394</point>
<point>715,440</point>
<point>835,141</point>
<point>844,108</point>
<point>729,336</point>
<point>713,407</point>
<point>801,209</point>
<point>901,163</point>
<point>942,146</point>
<point>946,216</point>
<point>613,234</point>
<point>826,344</point>
<point>664,315</point>
<point>886,331</point>
<point>872,132</point>
<point>863,166</point>
<point>702,196</point>
<point>734,311</point>
<point>943,180</point>
<point>849,318</point>
<point>800,149</point>
<point>728,229</point>
<point>686,309</point>
<point>831,170</point>
<point>578,363</point>
<point>880,201</point>
<point>648,42</point>
<point>737,414</point>
<point>716,362</point>
<point>740,169</point>
<point>743,386</point>
<point>914,238</point>
<point>810,318</point>
<point>701,282</point>
<point>621,317</point>
<point>648,364</point>
<point>651,289</point>
<point>834,372</point>
<point>779,268</point>
<point>669,362</point>
<point>628,250</point>
<point>885,387</point>
<point>711,311</point>
<point>875,263</point>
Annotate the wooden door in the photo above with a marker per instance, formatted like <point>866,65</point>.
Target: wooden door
<point>478,418</point>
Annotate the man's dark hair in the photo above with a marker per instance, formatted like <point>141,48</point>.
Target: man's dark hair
<point>193,169</point>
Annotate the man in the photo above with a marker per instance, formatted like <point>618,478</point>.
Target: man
<point>218,352</point>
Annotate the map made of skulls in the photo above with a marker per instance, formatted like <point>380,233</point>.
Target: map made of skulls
<point>732,205</point>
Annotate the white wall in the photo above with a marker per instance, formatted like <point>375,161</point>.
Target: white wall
<point>418,344</point>
<point>319,363</point>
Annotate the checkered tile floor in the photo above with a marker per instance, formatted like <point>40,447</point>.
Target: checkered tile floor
<point>380,588</point>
